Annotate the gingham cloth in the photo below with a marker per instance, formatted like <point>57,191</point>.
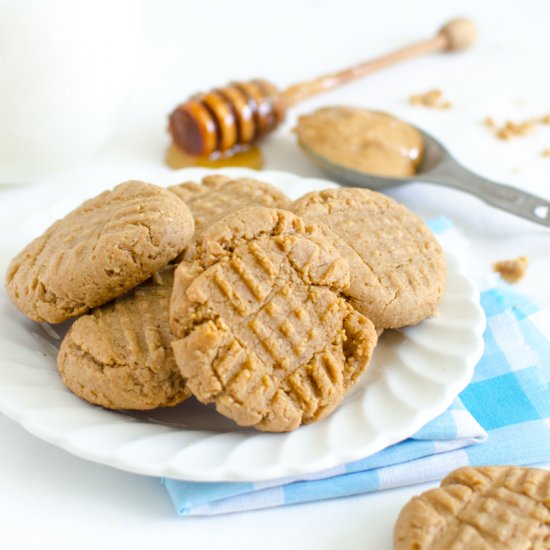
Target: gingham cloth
<point>502,417</point>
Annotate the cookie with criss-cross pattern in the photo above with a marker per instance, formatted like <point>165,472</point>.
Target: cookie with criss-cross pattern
<point>261,326</point>
<point>398,270</point>
<point>483,508</point>
<point>99,251</point>
<point>218,195</point>
<point>119,354</point>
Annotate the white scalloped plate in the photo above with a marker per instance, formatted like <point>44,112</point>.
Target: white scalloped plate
<point>415,374</point>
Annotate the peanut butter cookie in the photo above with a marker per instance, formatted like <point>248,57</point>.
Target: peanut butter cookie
<point>99,251</point>
<point>119,355</point>
<point>220,195</point>
<point>398,270</point>
<point>499,507</point>
<point>262,329</point>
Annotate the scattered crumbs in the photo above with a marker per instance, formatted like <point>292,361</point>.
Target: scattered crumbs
<point>512,271</point>
<point>432,98</point>
<point>546,153</point>
<point>511,129</point>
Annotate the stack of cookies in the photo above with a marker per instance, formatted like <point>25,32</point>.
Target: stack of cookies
<point>228,291</point>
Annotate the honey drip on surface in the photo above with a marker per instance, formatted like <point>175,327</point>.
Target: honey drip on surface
<point>250,157</point>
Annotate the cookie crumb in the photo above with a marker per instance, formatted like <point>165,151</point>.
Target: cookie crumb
<point>512,129</point>
<point>157,279</point>
<point>546,153</point>
<point>432,99</point>
<point>512,271</point>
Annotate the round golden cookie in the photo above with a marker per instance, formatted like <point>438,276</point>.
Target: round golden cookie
<point>99,251</point>
<point>119,355</point>
<point>219,195</point>
<point>261,328</point>
<point>398,270</point>
<point>484,508</point>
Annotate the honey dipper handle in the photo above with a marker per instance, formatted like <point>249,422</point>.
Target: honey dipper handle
<point>455,35</point>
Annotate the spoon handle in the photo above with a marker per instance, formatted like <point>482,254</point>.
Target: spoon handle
<point>502,196</point>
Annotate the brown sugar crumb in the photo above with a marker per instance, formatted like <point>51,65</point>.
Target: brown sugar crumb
<point>512,271</point>
<point>431,98</point>
<point>511,129</point>
<point>546,153</point>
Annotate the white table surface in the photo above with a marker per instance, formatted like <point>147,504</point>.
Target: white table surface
<point>50,499</point>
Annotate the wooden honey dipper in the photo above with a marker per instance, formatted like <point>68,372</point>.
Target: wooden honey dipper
<point>231,118</point>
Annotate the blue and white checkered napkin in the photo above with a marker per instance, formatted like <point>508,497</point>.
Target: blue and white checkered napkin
<point>502,417</point>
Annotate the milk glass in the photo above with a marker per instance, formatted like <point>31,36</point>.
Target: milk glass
<point>65,68</point>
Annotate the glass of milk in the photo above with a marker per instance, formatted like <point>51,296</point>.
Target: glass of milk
<point>65,69</point>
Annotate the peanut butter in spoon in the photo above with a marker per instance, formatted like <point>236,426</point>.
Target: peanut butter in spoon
<point>367,141</point>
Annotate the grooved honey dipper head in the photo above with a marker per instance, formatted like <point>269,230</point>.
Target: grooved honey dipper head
<point>226,119</point>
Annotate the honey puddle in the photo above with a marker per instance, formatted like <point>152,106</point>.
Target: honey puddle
<point>248,158</point>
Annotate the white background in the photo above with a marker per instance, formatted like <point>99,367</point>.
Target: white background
<point>49,498</point>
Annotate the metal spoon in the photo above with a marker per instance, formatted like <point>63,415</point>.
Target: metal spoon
<point>440,168</point>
